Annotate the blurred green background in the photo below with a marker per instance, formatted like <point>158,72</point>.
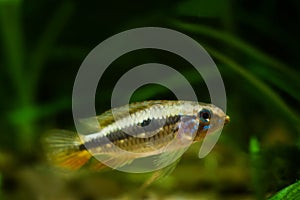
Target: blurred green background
<point>255,45</point>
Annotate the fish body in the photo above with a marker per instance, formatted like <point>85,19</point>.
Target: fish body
<point>143,129</point>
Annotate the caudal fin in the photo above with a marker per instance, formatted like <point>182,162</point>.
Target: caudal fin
<point>65,150</point>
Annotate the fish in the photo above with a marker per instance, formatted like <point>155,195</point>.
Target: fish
<point>162,128</point>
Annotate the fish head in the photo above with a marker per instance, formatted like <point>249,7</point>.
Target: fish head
<point>211,119</point>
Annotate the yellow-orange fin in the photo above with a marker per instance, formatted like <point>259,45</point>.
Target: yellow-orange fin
<point>160,174</point>
<point>96,165</point>
<point>65,150</point>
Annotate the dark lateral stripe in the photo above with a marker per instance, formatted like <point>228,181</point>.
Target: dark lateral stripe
<point>82,147</point>
<point>113,137</point>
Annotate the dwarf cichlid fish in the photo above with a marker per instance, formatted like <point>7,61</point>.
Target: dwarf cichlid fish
<point>146,130</point>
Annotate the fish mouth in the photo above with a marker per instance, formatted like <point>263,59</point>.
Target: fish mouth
<point>227,119</point>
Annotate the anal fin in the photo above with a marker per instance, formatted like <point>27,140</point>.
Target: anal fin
<point>160,174</point>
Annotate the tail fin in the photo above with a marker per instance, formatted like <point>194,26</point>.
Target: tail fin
<point>65,150</point>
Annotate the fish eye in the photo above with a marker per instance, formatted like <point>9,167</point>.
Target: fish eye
<point>205,115</point>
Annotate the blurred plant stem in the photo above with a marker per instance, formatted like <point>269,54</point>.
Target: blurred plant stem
<point>264,89</point>
<point>233,41</point>
<point>13,44</point>
<point>1,185</point>
<point>236,42</point>
<point>24,73</point>
<point>45,43</point>
<point>257,181</point>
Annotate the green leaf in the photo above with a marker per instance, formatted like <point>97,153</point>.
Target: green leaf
<point>291,192</point>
